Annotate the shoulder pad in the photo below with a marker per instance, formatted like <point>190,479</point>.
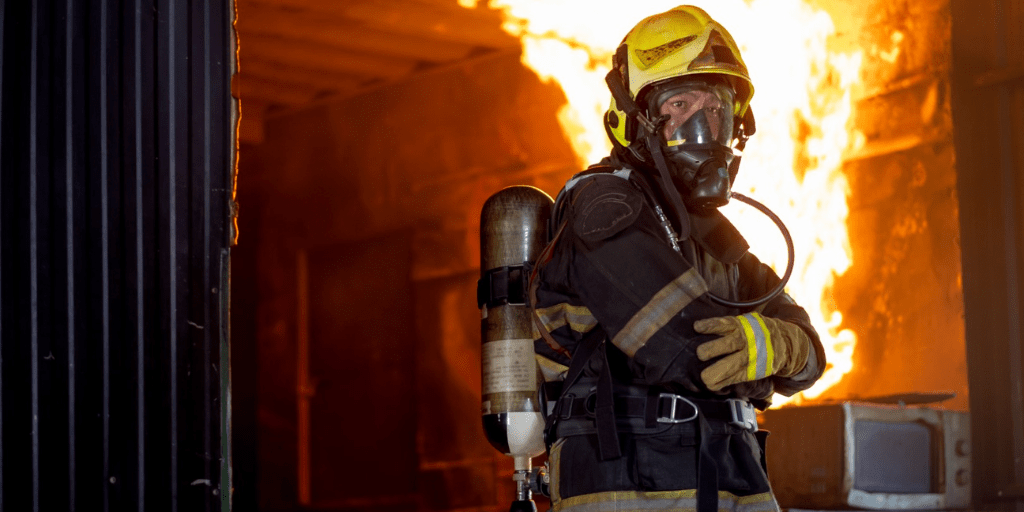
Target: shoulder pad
<point>558,210</point>
<point>597,170</point>
<point>604,205</point>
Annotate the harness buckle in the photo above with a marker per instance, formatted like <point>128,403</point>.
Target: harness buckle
<point>743,414</point>
<point>564,406</point>
<point>674,408</point>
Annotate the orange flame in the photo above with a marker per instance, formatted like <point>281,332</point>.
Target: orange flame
<point>792,164</point>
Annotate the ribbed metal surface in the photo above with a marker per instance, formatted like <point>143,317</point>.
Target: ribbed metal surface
<point>987,106</point>
<point>115,188</point>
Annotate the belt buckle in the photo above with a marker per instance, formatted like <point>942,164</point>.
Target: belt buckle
<point>743,414</point>
<point>675,400</point>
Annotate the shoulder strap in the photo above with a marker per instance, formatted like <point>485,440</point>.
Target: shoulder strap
<point>604,411</point>
<point>590,343</point>
<point>593,345</point>
<point>593,342</point>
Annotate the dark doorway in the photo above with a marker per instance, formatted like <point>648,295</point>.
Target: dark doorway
<point>360,384</point>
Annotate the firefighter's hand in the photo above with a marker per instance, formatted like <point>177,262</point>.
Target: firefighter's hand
<point>751,347</point>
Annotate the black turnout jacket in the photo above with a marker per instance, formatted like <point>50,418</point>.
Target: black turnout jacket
<point>612,264</point>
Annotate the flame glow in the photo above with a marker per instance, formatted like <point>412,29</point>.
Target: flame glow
<point>792,164</point>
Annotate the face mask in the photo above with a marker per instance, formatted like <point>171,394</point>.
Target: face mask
<point>697,131</point>
<point>697,114</point>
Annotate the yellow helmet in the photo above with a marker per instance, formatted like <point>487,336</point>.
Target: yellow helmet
<point>681,42</point>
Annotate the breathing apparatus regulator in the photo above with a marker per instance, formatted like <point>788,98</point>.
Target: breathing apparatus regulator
<point>681,103</point>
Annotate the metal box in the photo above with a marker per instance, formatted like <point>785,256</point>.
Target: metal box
<point>869,456</point>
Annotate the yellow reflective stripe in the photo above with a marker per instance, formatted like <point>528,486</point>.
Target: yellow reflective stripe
<point>664,306</point>
<point>578,318</point>
<point>555,456</point>
<point>760,354</point>
<point>684,500</point>
<point>551,370</point>
<point>748,331</point>
<point>769,350</point>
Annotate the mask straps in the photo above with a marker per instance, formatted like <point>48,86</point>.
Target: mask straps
<point>746,129</point>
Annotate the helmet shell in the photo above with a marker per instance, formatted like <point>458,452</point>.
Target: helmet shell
<point>681,42</point>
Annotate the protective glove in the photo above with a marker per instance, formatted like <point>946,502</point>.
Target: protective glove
<point>753,347</point>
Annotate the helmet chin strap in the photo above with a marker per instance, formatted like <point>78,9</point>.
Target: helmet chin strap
<point>746,129</point>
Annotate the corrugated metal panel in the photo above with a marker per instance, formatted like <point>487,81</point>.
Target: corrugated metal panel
<point>115,201</point>
<point>988,102</point>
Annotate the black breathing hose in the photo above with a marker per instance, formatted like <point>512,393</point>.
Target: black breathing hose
<point>789,265</point>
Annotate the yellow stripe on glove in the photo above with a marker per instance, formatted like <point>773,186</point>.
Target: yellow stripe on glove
<point>750,347</point>
<point>759,345</point>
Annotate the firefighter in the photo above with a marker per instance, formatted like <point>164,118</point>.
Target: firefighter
<point>652,320</point>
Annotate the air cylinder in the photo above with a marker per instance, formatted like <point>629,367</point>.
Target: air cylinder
<point>513,232</point>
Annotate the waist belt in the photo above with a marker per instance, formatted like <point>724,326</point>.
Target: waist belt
<point>656,407</point>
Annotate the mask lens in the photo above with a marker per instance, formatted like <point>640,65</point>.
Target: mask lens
<point>698,114</point>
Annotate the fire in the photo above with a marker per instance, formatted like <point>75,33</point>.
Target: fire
<point>792,164</point>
